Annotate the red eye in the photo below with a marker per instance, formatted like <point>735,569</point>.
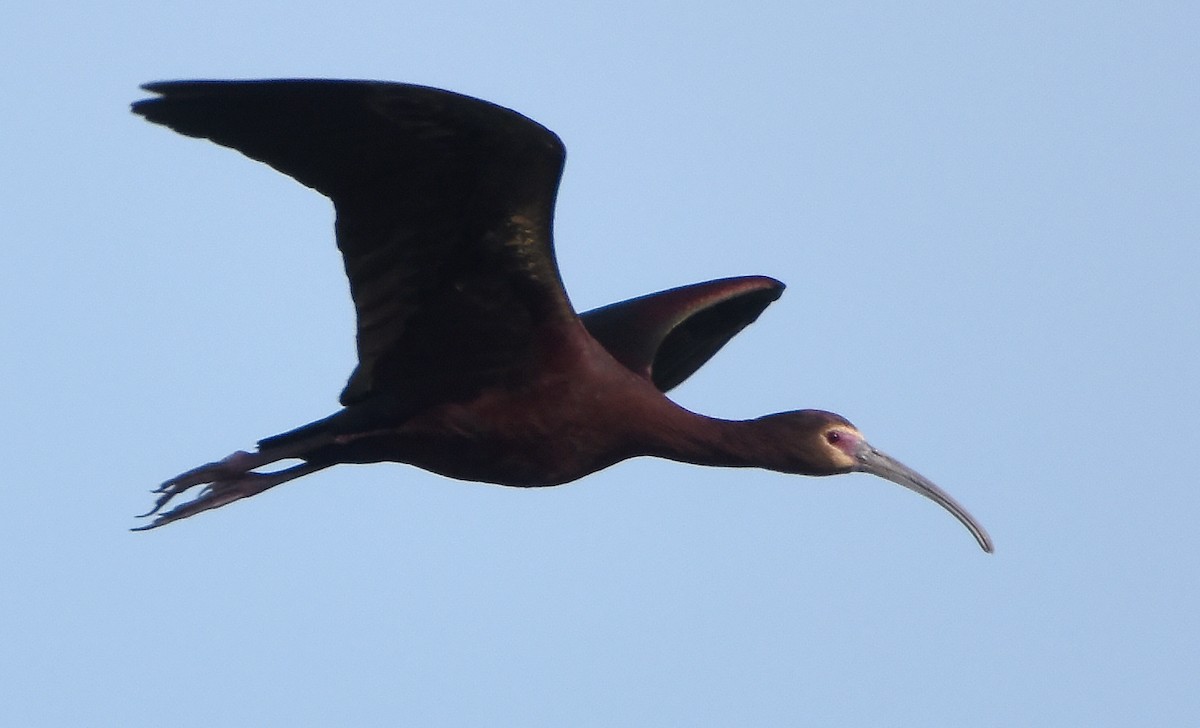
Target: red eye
<point>833,436</point>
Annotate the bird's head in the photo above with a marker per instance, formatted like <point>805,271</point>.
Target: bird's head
<point>824,443</point>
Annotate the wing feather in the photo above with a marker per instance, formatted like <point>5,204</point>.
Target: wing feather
<point>444,212</point>
<point>667,336</point>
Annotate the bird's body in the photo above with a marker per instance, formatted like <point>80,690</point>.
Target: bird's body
<point>471,361</point>
<point>533,431</point>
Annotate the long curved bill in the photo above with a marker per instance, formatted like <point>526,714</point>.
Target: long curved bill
<point>885,466</point>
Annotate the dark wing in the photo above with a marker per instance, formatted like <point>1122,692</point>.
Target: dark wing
<point>444,209</point>
<point>667,336</point>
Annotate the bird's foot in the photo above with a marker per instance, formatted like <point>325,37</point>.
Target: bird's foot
<point>227,480</point>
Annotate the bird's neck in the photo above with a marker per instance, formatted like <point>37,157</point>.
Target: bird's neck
<point>694,438</point>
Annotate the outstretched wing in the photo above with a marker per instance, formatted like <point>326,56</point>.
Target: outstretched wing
<point>444,210</point>
<point>667,336</point>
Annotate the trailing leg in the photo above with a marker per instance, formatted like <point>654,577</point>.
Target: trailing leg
<point>227,480</point>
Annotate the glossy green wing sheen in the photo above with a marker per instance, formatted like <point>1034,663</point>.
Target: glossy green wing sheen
<point>667,336</point>
<point>444,209</point>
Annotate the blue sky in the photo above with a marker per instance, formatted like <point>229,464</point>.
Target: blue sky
<point>987,215</point>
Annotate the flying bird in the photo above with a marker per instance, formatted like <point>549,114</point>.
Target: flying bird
<point>471,361</point>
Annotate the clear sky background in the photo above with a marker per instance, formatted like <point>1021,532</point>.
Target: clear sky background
<point>988,216</point>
